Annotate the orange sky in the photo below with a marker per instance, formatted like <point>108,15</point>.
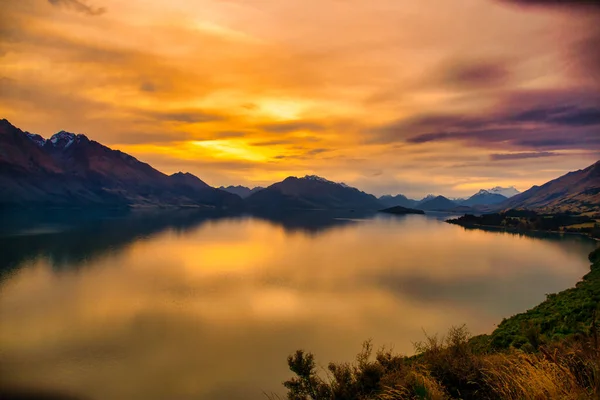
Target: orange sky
<point>414,97</point>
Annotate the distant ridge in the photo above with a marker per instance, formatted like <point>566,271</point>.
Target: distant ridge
<point>577,191</point>
<point>435,203</point>
<point>397,200</point>
<point>483,197</point>
<point>241,191</point>
<point>312,192</point>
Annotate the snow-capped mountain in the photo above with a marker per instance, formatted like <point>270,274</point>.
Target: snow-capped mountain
<point>427,198</point>
<point>483,198</point>
<point>321,179</point>
<point>35,138</point>
<point>504,191</point>
<point>64,139</point>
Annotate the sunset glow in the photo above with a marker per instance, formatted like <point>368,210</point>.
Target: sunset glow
<point>389,96</point>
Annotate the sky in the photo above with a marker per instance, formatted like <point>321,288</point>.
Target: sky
<point>390,96</point>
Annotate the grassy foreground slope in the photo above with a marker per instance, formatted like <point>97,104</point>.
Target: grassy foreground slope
<point>570,312</point>
<point>548,352</point>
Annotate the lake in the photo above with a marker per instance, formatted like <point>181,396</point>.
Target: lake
<point>194,305</point>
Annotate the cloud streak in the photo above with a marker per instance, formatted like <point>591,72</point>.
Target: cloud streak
<point>524,121</point>
<point>521,156</point>
<point>79,6</point>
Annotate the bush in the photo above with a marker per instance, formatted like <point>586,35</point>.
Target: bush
<point>549,352</point>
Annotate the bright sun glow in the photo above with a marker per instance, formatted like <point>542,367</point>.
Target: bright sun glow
<point>281,109</point>
<point>229,149</point>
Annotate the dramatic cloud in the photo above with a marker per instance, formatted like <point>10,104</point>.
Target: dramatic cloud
<point>385,95</point>
<point>79,6</point>
<point>561,115</point>
<point>552,120</point>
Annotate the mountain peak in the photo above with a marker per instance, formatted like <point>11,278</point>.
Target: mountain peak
<point>429,197</point>
<point>435,203</point>
<point>64,139</point>
<point>188,179</point>
<point>6,123</point>
<point>37,139</point>
<point>316,178</point>
<point>321,179</point>
<point>182,174</point>
<point>504,191</point>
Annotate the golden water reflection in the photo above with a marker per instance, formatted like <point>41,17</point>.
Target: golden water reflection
<point>209,308</point>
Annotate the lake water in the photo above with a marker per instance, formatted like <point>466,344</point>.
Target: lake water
<point>186,305</point>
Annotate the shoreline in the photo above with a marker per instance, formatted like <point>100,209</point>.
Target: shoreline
<point>516,230</point>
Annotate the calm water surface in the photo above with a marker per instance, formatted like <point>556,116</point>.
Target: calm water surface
<point>183,305</point>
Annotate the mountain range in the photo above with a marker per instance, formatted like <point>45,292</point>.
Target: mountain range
<point>70,170</point>
<point>312,192</point>
<point>398,200</point>
<point>241,191</point>
<point>485,197</point>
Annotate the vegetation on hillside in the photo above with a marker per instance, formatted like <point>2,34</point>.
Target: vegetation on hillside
<point>549,352</point>
<point>526,220</point>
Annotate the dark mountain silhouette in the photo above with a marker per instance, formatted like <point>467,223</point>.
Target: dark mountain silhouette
<point>483,197</point>
<point>312,192</point>
<point>436,203</point>
<point>398,200</point>
<point>71,170</point>
<point>241,191</point>
<point>577,191</point>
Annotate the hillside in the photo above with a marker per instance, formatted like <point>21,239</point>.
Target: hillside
<point>311,192</point>
<point>572,311</point>
<point>70,170</point>
<point>527,220</point>
<point>577,191</point>
<point>549,352</point>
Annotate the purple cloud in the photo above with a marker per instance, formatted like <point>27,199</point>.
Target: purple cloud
<point>521,156</point>
<point>534,121</point>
